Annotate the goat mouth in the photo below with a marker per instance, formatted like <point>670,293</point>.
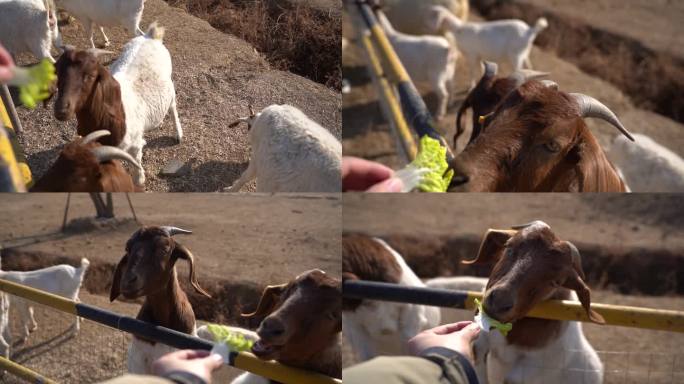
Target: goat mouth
<point>265,350</point>
<point>132,294</point>
<point>63,115</point>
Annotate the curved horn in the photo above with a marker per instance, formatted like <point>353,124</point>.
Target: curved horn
<point>522,75</point>
<point>99,52</point>
<point>590,107</point>
<point>107,153</point>
<point>550,84</point>
<point>174,230</point>
<point>92,136</point>
<point>490,69</point>
<point>531,223</point>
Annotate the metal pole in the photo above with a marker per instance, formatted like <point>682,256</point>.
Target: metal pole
<point>132,209</point>
<point>24,373</point>
<point>11,110</point>
<point>637,317</point>
<point>242,360</point>
<point>66,211</point>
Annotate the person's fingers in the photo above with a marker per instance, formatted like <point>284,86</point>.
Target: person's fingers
<point>450,328</point>
<point>359,174</point>
<point>5,57</point>
<point>471,332</point>
<point>214,361</point>
<point>390,185</point>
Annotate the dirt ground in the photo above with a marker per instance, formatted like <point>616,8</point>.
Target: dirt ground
<point>216,76</point>
<point>646,222</point>
<point>366,134</point>
<point>241,244</point>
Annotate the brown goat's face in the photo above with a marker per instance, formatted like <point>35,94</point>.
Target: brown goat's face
<point>302,317</point>
<point>76,170</point>
<point>529,143</point>
<point>531,265</point>
<point>77,75</point>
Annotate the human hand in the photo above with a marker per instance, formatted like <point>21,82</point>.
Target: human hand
<point>199,363</point>
<point>457,336</point>
<point>363,175</point>
<point>6,65</point>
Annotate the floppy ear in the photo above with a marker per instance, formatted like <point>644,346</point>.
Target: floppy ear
<point>268,301</point>
<point>577,284</point>
<point>181,252</point>
<point>492,245</point>
<point>116,281</point>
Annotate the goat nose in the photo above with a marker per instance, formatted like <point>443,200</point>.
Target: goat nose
<point>272,327</point>
<point>498,302</point>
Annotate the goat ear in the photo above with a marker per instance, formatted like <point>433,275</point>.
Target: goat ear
<point>116,281</point>
<point>267,302</point>
<point>577,284</point>
<point>492,245</point>
<point>181,252</point>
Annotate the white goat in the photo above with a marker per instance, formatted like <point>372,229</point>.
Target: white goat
<point>498,41</point>
<point>427,59</point>
<point>29,26</point>
<point>62,280</point>
<point>378,327</point>
<point>290,153</point>
<point>407,15</point>
<point>106,13</point>
<point>143,75</point>
<point>647,166</point>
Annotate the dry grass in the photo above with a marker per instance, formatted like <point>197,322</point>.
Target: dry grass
<point>293,38</point>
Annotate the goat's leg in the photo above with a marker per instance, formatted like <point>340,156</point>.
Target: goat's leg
<point>176,119</point>
<point>528,63</point>
<point>247,176</point>
<point>43,51</point>
<point>34,325</point>
<point>88,25</point>
<point>442,100</point>
<point>138,174</point>
<point>106,43</point>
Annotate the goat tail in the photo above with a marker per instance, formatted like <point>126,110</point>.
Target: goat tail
<point>154,31</point>
<point>85,263</point>
<point>540,25</point>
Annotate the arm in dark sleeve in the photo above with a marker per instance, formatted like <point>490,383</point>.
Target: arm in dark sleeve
<point>434,366</point>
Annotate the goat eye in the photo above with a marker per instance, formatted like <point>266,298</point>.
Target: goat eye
<point>552,146</point>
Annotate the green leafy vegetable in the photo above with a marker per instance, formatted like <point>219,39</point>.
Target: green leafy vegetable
<point>34,82</point>
<point>486,323</point>
<point>431,159</point>
<point>234,340</point>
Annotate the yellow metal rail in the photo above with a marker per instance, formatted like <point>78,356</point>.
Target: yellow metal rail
<point>245,361</point>
<point>23,373</point>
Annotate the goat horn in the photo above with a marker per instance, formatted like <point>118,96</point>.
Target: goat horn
<point>550,84</point>
<point>92,136</point>
<point>522,75</point>
<point>490,68</point>
<point>107,153</point>
<point>590,107</point>
<point>523,226</point>
<point>97,52</point>
<point>175,230</point>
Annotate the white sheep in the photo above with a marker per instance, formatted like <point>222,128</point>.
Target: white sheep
<point>29,26</point>
<point>290,153</point>
<point>379,327</point>
<point>106,13</point>
<point>500,41</point>
<point>428,59</point>
<point>62,280</point>
<point>647,166</point>
<point>407,15</point>
<point>137,92</point>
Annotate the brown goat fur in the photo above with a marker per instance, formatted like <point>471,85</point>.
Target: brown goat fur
<point>78,170</point>
<point>363,258</point>
<point>483,99</point>
<point>536,141</point>
<point>148,269</point>
<point>87,90</point>
<point>302,322</point>
<point>530,265</point>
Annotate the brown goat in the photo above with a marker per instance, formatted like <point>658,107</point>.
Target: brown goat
<point>536,141</point>
<point>531,264</point>
<point>302,323</point>
<point>87,89</point>
<point>488,92</point>
<point>86,166</point>
<point>364,258</point>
